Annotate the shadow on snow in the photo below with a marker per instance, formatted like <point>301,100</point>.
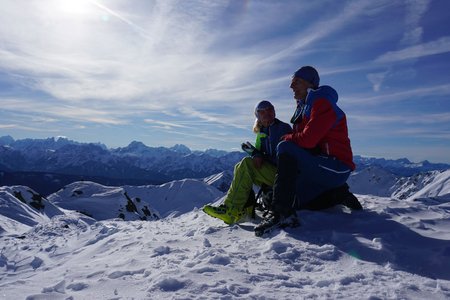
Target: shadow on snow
<point>374,237</point>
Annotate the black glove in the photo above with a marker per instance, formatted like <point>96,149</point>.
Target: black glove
<point>249,148</point>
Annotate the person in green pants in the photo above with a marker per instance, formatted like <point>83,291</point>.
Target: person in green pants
<point>258,169</point>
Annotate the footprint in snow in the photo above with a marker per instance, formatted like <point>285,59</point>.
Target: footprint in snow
<point>162,250</point>
<point>170,285</point>
<point>220,260</point>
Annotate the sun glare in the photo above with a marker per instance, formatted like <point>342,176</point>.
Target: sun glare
<point>75,6</point>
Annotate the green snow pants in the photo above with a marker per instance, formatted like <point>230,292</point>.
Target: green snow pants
<point>245,176</point>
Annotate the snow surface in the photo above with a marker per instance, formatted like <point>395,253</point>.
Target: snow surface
<point>394,249</point>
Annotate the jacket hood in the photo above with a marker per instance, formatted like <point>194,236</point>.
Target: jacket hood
<point>323,91</point>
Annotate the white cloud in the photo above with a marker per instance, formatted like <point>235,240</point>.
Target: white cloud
<point>26,128</point>
<point>163,59</point>
<point>377,79</point>
<point>165,125</point>
<point>404,95</point>
<point>415,9</point>
<point>406,119</point>
<point>321,29</point>
<point>213,118</point>
<point>439,46</point>
<point>6,126</point>
<point>51,111</point>
<point>168,58</point>
<point>424,133</point>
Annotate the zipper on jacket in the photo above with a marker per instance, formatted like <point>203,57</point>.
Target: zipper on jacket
<point>270,144</point>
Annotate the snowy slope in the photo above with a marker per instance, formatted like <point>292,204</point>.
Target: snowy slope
<point>394,249</point>
<point>372,181</point>
<point>221,181</point>
<point>102,202</point>
<point>134,202</point>
<point>21,208</point>
<point>437,187</point>
<point>378,181</point>
<point>366,255</point>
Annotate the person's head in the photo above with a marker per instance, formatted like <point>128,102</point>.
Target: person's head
<point>264,113</point>
<point>303,79</point>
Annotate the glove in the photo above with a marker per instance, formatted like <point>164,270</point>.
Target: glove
<point>248,148</point>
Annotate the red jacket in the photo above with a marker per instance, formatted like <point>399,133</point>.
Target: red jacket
<point>320,124</point>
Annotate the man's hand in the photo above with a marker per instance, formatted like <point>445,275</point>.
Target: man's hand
<point>258,161</point>
<point>287,137</point>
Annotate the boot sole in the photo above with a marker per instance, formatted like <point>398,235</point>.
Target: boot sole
<point>262,232</point>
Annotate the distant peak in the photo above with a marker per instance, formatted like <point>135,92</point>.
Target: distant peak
<point>180,148</point>
<point>62,138</point>
<point>404,160</point>
<point>6,140</point>
<point>136,144</point>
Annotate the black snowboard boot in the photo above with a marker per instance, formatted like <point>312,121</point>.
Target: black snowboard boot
<point>284,186</point>
<point>283,213</point>
<point>348,199</point>
<point>274,220</point>
<point>335,196</point>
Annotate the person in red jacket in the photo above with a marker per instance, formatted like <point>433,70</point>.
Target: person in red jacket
<point>315,161</point>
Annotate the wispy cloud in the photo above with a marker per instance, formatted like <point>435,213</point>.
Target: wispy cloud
<point>212,118</point>
<point>119,16</point>
<point>321,29</point>
<point>26,128</point>
<point>377,79</point>
<point>423,133</point>
<point>6,126</point>
<point>53,111</point>
<point>407,119</point>
<point>165,125</point>
<point>439,46</point>
<point>400,96</point>
<point>415,11</point>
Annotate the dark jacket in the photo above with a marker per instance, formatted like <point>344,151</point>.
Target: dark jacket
<point>269,137</point>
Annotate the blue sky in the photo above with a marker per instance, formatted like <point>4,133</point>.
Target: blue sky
<point>190,72</point>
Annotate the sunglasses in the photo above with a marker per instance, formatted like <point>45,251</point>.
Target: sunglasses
<point>264,109</point>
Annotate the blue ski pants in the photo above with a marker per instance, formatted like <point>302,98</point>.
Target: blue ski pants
<point>315,173</point>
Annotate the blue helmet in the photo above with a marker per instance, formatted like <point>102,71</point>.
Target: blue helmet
<point>262,105</point>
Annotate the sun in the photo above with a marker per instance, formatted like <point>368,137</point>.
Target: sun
<point>75,6</point>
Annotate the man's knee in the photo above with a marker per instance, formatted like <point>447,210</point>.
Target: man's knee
<point>292,149</point>
<point>286,147</point>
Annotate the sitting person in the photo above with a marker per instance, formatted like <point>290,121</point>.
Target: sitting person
<point>259,169</point>
<point>315,161</point>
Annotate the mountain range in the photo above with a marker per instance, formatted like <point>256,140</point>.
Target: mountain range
<point>47,165</point>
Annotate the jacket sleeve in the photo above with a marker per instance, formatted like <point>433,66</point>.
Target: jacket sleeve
<point>287,130</point>
<point>320,122</point>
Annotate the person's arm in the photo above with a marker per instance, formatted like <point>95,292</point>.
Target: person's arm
<point>320,122</point>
